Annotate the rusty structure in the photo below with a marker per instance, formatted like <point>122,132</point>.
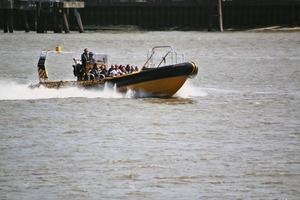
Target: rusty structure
<point>40,15</point>
<point>211,15</point>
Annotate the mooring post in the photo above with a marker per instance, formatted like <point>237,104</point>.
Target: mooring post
<point>220,13</point>
<point>11,20</point>
<point>297,15</point>
<point>78,19</point>
<point>65,21</point>
<point>26,24</point>
<point>5,21</point>
<point>294,15</point>
<point>45,21</point>
<point>54,15</point>
<point>210,6</point>
<point>39,19</point>
<point>35,19</point>
<point>40,25</point>
<point>56,19</point>
<point>7,15</point>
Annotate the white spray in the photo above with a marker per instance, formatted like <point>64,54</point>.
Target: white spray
<point>14,91</point>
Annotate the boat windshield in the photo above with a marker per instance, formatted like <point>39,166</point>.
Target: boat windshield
<point>100,58</point>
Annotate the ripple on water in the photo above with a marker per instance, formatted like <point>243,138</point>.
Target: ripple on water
<point>232,132</point>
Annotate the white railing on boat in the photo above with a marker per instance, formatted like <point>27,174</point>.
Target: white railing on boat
<point>174,57</point>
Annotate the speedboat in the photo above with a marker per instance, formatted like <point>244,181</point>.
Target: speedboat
<point>161,77</point>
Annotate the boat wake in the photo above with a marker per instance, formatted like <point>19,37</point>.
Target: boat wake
<point>14,91</point>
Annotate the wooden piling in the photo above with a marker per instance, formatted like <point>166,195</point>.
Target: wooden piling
<point>220,15</point>
<point>135,15</point>
<point>65,21</point>
<point>210,15</point>
<point>140,16</point>
<point>166,12</point>
<point>196,16</point>
<point>11,20</point>
<point>5,21</point>
<point>191,14</point>
<point>26,24</point>
<point>39,19</point>
<point>56,13</point>
<point>130,15</point>
<point>113,15</point>
<point>100,15</point>
<point>104,16</point>
<point>78,19</point>
<point>296,15</point>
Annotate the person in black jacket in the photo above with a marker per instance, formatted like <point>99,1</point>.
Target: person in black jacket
<point>84,57</point>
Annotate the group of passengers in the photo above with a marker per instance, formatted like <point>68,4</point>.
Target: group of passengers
<point>116,70</point>
<point>101,70</point>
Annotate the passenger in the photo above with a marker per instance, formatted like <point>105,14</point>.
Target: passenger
<point>103,70</point>
<point>123,70</point>
<point>119,71</point>
<point>127,68</point>
<point>95,70</point>
<point>131,69</point>
<point>112,71</point>
<point>84,57</point>
<point>136,69</point>
<point>91,58</point>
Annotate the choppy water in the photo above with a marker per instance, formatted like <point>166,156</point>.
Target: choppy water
<point>230,133</point>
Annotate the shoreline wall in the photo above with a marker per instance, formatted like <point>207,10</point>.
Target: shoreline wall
<point>168,14</point>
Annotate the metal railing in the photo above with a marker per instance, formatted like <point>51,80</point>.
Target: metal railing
<point>174,56</point>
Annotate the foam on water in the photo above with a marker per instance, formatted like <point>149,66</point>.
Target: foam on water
<point>14,91</point>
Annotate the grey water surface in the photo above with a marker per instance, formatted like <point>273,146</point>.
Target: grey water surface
<point>232,132</point>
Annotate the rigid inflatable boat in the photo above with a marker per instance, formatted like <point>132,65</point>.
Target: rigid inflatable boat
<point>156,78</point>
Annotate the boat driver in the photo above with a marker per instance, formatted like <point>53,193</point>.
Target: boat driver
<point>84,57</point>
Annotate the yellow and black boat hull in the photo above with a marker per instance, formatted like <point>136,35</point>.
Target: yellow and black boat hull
<point>150,82</point>
<point>162,82</point>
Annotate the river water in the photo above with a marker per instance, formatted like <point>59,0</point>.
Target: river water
<point>232,132</point>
